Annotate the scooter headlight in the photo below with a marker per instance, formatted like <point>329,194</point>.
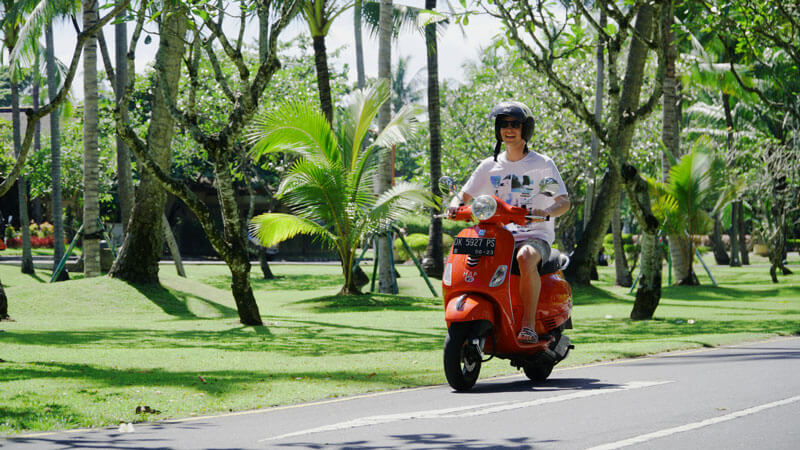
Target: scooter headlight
<point>484,207</point>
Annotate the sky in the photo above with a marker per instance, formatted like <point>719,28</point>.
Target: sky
<point>456,46</point>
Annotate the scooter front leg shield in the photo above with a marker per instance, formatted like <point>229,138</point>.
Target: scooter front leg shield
<point>465,308</point>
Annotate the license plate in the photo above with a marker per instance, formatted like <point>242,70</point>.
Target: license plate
<point>473,246</point>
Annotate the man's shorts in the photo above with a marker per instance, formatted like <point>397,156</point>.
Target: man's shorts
<point>541,246</point>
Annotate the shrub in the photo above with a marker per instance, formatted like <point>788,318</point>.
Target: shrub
<point>418,243</point>
<point>10,232</point>
<point>420,224</point>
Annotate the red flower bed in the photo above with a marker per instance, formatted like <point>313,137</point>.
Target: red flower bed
<point>36,242</point>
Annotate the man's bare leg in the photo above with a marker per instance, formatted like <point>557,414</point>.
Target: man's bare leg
<point>529,284</point>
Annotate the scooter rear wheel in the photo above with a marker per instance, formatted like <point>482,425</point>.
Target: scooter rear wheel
<point>462,359</point>
<point>538,370</point>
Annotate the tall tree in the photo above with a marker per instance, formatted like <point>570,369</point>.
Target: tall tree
<point>386,162</point>
<point>39,15</point>
<point>92,233</point>
<point>670,136</point>
<point>219,145</point>
<point>357,17</point>
<point>433,262</point>
<point>11,31</point>
<point>124,173</point>
<point>319,15</point>
<point>542,43</point>
<point>55,153</point>
<point>143,245</point>
<point>33,118</point>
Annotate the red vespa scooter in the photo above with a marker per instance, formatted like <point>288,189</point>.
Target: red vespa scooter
<point>483,309</point>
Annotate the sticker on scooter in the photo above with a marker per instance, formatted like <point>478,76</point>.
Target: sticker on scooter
<point>469,276</point>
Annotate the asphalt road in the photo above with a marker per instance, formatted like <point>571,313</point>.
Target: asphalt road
<point>742,396</point>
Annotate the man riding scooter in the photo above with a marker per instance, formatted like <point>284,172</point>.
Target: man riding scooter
<point>511,176</point>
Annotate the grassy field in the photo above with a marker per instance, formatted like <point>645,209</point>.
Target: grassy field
<point>89,352</point>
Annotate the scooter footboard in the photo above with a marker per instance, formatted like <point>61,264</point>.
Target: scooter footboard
<point>467,307</point>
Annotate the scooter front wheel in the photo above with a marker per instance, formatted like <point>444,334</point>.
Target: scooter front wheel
<point>462,359</point>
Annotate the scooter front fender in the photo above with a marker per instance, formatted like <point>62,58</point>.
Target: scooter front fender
<point>468,307</point>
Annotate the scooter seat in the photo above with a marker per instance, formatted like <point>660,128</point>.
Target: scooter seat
<point>556,262</point>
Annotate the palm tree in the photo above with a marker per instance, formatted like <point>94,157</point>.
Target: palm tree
<point>329,188</point>
<point>385,174</point>
<point>357,15</point>
<point>91,205</point>
<point>682,201</point>
<point>10,30</point>
<point>124,172</point>
<point>319,15</point>
<point>40,14</point>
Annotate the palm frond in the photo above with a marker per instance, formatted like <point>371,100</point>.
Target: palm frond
<point>293,127</point>
<point>403,198</point>
<point>403,125</point>
<point>364,105</point>
<point>36,14</point>
<point>273,228</point>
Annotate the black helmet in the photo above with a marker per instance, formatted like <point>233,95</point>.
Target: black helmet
<point>518,111</point>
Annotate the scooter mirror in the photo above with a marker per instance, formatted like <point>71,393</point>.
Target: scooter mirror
<point>447,184</point>
<point>549,186</point>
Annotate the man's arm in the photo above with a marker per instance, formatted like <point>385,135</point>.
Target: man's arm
<point>559,207</point>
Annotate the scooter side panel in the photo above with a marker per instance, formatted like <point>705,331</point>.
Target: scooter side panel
<point>554,308</point>
<point>469,308</point>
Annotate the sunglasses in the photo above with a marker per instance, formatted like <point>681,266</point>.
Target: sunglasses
<point>510,124</point>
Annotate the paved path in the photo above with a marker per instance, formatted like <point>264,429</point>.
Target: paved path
<point>742,396</point>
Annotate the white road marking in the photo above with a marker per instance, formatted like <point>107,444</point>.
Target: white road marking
<point>693,426</point>
<point>464,411</point>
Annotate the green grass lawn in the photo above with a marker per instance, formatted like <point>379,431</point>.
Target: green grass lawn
<point>88,352</point>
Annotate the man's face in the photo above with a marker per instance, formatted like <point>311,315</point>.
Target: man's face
<point>510,129</point>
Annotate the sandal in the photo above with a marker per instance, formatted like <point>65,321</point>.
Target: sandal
<point>527,336</point>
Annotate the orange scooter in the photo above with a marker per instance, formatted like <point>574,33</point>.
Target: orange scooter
<point>483,309</point>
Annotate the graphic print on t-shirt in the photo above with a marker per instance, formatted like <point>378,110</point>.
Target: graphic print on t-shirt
<point>516,190</point>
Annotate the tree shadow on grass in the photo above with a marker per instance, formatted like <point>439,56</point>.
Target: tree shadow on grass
<point>294,282</point>
<point>592,295</point>
<point>371,302</point>
<point>284,335</point>
<point>26,411</point>
<point>622,330</point>
<point>176,303</point>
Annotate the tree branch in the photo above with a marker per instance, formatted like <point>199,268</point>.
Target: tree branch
<point>34,116</point>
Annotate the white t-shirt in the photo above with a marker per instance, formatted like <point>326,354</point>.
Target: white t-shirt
<point>517,183</point>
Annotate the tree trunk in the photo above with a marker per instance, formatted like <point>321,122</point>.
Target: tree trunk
<point>743,251</point>
<point>734,236</point>
<point>22,186</point>
<point>55,151</point>
<point>620,260</point>
<point>143,245</point>
<point>91,206</point>
<point>3,304</point>
<point>717,245</point>
<point>242,291</point>
<point>385,172</point>
<point>173,247</point>
<point>323,77</point>
<point>433,262</point>
<point>357,8</point>
<point>670,135</point>
<point>648,294</point>
<point>124,172</point>
<point>237,256</point>
<point>620,136</point>
<point>591,175</point>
